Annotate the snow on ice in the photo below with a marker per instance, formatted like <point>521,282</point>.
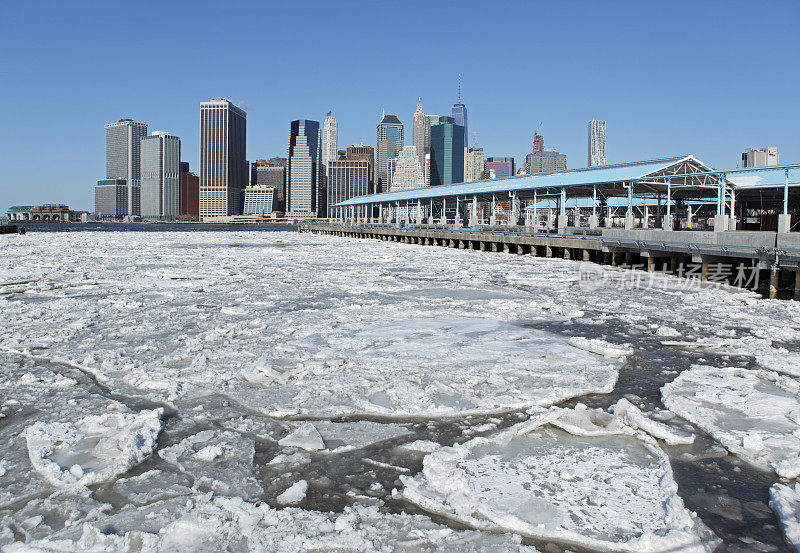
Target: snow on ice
<point>579,477</point>
<point>785,501</point>
<point>754,414</point>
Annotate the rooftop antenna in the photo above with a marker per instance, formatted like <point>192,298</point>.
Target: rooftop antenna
<point>459,88</point>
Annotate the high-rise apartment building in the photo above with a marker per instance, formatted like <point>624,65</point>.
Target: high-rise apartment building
<point>597,143</point>
<point>545,161</point>
<point>189,196</point>
<point>447,152</point>
<point>123,146</point>
<point>755,157</point>
<point>359,152</point>
<point>499,167</point>
<point>330,137</point>
<point>223,163</point>
<point>305,195</point>
<point>347,179</point>
<point>272,173</point>
<point>111,199</point>
<point>390,142</point>
<point>160,174</point>
<point>473,164</point>
<point>459,113</point>
<point>405,170</point>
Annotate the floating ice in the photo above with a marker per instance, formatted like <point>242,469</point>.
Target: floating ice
<point>231,524</point>
<point>305,437</point>
<point>294,494</point>
<point>785,501</point>
<point>600,347</point>
<point>602,484</point>
<point>754,414</point>
<point>95,449</point>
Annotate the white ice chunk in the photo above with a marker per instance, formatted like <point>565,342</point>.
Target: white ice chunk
<point>633,417</point>
<point>294,494</point>
<point>305,437</point>
<point>754,414</point>
<point>785,501</point>
<point>231,524</point>
<point>94,449</point>
<point>601,347</point>
<point>606,487</point>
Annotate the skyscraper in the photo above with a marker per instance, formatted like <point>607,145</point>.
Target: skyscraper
<point>499,167</point>
<point>422,132</point>
<point>460,114</point>
<point>123,149</point>
<point>160,173</point>
<point>304,181</point>
<point>330,136</point>
<point>405,170</point>
<point>538,143</point>
<point>447,152</point>
<point>347,179</point>
<point>223,166</point>
<point>390,141</point>
<point>359,152</point>
<point>597,143</point>
<point>473,164</point>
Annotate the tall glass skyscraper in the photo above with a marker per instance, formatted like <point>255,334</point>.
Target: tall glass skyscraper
<point>390,142</point>
<point>123,147</point>
<point>347,179</point>
<point>223,167</point>
<point>597,143</point>
<point>460,114</point>
<point>304,190</point>
<point>330,137</point>
<point>160,171</point>
<point>447,152</point>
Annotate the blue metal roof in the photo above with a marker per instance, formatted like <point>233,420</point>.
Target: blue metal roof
<point>604,174</point>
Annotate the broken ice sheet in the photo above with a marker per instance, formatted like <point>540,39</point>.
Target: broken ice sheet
<point>577,477</point>
<point>754,414</point>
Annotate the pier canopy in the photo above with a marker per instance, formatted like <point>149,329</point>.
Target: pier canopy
<point>685,176</point>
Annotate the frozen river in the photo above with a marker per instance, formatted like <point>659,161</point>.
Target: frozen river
<point>275,391</point>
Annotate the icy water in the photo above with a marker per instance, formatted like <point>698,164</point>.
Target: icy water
<point>279,358</point>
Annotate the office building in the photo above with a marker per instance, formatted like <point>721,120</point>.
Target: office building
<point>359,152</point>
<point>330,137</point>
<point>160,174</point>
<point>223,165</point>
<point>123,144</point>
<point>473,164</point>
<point>189,195</point>
<point>499,167</point>
<point>545,161</point>
<point>111,199</point>
<point>459,113</point>
<point>390,142</point>
<point>304,173</point>
<point>258,199</point>
<point>756,157</point>
<point>347,178</point>
<point>597,143</point>
<point>406,171</point>
<point>271,172</point>
<point>447,152</point>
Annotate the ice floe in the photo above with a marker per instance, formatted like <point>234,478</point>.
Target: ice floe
<point>294,494</point>
<point>575,476</point>
<point>94,449</point>
<point>785,501</point>
<point>754,414</point>
<point>231,524</point>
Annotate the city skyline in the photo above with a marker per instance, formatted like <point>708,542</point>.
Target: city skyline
<point>650,118</point>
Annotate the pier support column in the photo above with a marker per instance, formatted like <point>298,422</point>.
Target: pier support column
<point>534,252</point>
<point>773,283</point>
<point>614,259</point>
<point>520,249</point>
<point>784,222</point>
<point>705,271</point>
<point>495,246</point>
<point>506,248</point>
<point>548,251</point>
<point>567,254</point>
<point>482,246</point>
<point>587,255</point>
<point>797,285</point>
<point>651,264</point>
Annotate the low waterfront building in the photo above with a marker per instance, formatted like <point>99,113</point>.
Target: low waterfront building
<point>51,213</point>
<point>258,199</point>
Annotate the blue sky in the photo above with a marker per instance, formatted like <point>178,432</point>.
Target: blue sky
<point>703,77</point>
